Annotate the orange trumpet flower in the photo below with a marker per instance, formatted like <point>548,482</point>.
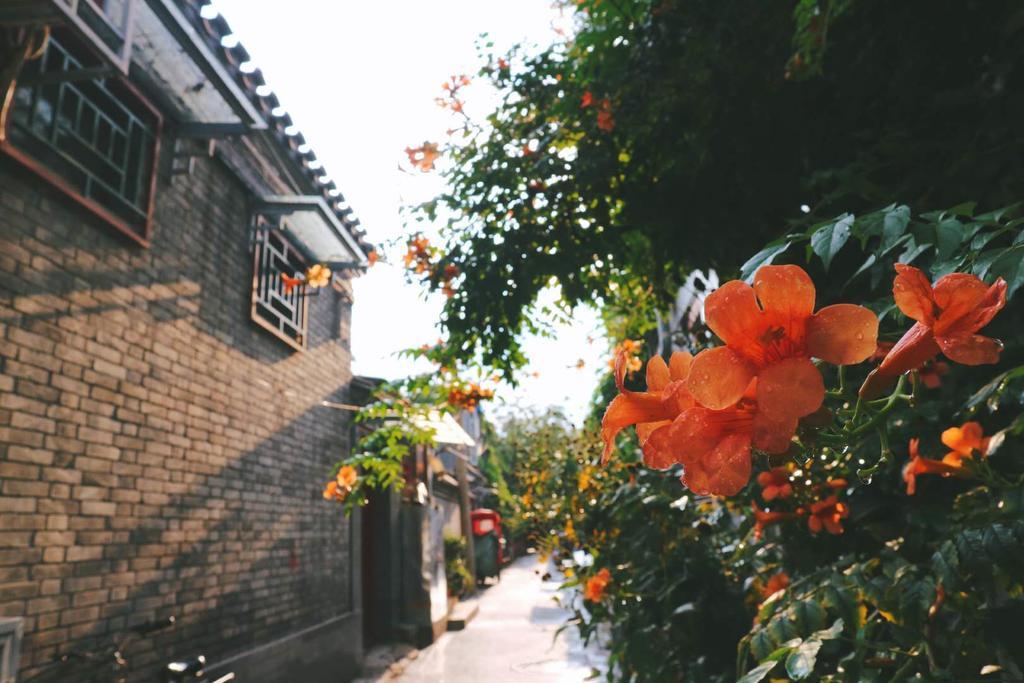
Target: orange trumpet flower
<point>947,317</point>
<point>776,583</point>
<point>764,518</point>
<point>828,514</point>
<point>965,442</point>
<point>775,484</point>
<point>347,476</point>
<point>290,282</point>
<point>714,445</point>
<point>918,465</point>
<point>771,332</point>
<point>652,410</point>
<point>318,276</point>
<point>596,585</point>
<point>342,485</point>
<point>424,156</point>
<point>605,119</point>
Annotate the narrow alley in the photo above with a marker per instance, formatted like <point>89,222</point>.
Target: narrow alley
<point>512,638</point>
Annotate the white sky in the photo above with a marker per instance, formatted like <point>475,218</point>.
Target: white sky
<point>359,80</point>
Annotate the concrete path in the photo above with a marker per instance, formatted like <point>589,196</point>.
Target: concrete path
<point>511,639</point>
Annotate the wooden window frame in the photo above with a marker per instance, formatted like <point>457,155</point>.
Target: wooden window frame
<point>143,236</point>
<point>271,283</point>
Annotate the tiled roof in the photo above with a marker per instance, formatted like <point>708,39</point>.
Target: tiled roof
<point>214,30</point>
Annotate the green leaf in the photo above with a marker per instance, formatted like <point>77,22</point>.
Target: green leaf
<point>998,215</point>
<point>761,644</point>
<point>945,564</point>
<point>809,615</point>
<point>981,239</point>
<point>831,632</point>
<point>894,225</point>
<point>984,261</point>
<point>800,663</point>
<point>996,385</point>
<point>912,251</point>
<point>1010,266</point>
<point>949,235</point>
<point>779,654</point>
<point>829,239</point>
<point>763,257</point>
<point>914,599</point>
<point>782,629</point>
<point>940,268</point>
<point>757,673</point>
<point>966,209</point>
<point>870,261</point>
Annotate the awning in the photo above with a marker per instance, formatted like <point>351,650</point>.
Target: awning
<point>158,44</point>
<point>315,228</point>
<point>446,429</point>
<point>182,65</point>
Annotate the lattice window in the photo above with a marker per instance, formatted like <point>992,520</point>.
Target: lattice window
<point>284,313</point>
<point>94,138</point>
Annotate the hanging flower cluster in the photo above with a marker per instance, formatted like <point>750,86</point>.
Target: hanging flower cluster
<point>819,503</point>
<point>423,157</point>
<point>448,276</point>
<point>451,87</point>
<point>341,486</point>
<point>421,257</point>
<point>751,392</point>
<point>605,118</point>
<point>315,277</point>
<point>468,396</point>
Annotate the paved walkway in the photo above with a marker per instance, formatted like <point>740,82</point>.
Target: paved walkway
<point>511,639</point>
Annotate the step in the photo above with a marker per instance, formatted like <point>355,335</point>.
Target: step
<point>462,614</point>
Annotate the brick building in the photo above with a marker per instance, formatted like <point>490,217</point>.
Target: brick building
<point>166,418</point>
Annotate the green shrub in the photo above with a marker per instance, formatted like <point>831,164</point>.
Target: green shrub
<point>455,570</point>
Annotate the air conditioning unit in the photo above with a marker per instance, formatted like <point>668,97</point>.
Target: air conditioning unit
<point>105,25</point>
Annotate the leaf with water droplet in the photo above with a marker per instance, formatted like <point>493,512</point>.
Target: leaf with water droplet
<point>829,239</point>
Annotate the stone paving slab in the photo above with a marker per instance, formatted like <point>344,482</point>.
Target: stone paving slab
<point>513,637</point>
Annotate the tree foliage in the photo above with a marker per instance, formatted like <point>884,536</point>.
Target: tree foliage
<point>720,121</point>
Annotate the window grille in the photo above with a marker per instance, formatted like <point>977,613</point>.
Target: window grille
<point>285,314</point>
<point>93,137</point>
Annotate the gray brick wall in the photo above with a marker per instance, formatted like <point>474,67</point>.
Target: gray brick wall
<point>159,453</point>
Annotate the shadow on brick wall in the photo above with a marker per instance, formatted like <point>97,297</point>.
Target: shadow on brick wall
<point>165,455</point>
<point>270,557</point>
<point>58,260</point>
